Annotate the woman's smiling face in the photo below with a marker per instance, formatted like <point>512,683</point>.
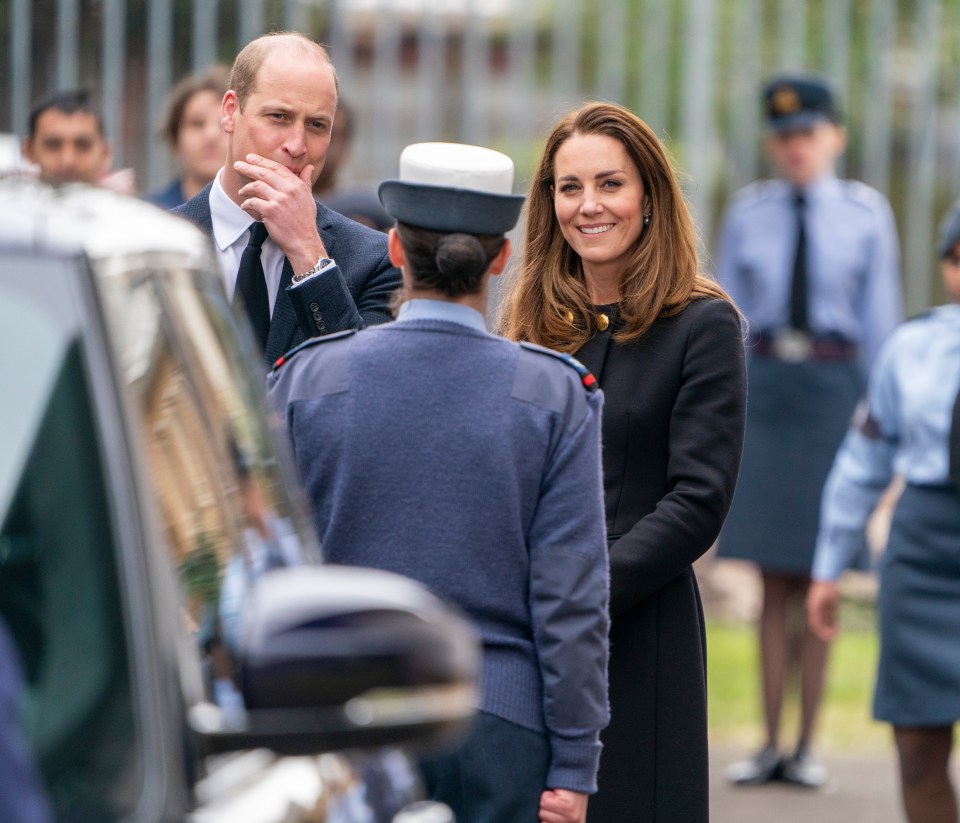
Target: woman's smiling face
<point>599,201</point>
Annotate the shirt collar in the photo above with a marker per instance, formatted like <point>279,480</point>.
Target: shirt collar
<point>948,312</point>
<point>823,187</point>
<point>228,219</point>
<point>422,309</point>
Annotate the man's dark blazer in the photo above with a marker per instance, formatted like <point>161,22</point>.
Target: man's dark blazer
<point>353,295</point>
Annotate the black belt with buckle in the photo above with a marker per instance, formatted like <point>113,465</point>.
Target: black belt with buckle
<point>795,346</point>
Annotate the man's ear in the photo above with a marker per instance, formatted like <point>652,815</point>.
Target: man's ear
<point>500,261</point>
<point>840,141</point>
<point>395,248</point>
<point>229,107</point>
<point>107,157</point>
<point>26,148</point>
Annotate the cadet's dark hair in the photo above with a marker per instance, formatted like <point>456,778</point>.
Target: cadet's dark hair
<point>68,102</point>
<point>451,263</point>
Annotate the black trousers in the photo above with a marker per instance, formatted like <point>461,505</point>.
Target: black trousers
<point>497,776</point>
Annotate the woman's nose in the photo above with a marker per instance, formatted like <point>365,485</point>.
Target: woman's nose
<point>590,204</point>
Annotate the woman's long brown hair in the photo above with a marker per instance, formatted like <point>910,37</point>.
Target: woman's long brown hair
<point>662,276</point>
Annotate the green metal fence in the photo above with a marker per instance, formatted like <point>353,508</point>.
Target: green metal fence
<point>499,72</point>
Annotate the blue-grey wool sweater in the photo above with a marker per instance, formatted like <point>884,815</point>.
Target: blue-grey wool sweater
<point>470,463</point>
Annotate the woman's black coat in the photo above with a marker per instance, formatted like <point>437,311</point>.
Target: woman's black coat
<point>673,424</point>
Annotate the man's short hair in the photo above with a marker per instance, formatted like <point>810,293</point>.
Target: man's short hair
<point>216,79</point>
<point>243,75</point>
<point>67,102</point>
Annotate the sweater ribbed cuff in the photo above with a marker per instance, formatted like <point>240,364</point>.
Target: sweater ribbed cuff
<point>574,763</point>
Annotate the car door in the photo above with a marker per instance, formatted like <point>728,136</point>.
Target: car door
<point>145,501</point>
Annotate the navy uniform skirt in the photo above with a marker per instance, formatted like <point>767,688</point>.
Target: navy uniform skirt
<point>797,415</point>
<point>918,679</point>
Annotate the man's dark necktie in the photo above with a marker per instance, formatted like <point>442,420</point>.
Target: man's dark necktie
<point>954,470</point>
<point>798,285</point>
<point>252,285</point>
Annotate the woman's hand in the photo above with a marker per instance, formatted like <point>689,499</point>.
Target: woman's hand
<point>823,608</point>
<point>563,806</point>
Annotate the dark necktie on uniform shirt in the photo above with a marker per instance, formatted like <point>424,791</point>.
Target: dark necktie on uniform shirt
<point>798,284</point>
<point>252,285</point>
<point>954,466</point>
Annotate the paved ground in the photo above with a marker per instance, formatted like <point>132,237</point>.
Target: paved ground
<point>861,789</point>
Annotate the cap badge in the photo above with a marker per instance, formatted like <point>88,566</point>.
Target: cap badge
<point>785,101</point>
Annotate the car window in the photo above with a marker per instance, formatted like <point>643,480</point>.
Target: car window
<point>220,474</point>
<point>59,582</point>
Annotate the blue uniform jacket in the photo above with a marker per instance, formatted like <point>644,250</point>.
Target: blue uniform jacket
<point>903,428</point>
<point>433,449</point>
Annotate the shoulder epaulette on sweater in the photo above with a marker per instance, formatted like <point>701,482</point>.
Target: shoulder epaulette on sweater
<point>586,376</point>
<point>313,341</point>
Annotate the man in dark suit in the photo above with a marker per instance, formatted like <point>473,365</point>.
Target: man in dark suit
<point>316,272</point>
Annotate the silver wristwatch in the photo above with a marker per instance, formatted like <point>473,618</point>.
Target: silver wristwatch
<point>322,263</point>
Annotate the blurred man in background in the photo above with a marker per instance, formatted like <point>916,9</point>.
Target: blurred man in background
<point>66,141</point>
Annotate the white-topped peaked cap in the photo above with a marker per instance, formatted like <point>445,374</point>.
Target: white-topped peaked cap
<point>457,165</point>
<point>453,187</point>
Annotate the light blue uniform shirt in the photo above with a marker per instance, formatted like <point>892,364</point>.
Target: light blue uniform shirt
<point>422,309</point>
<point>904,428</point>
<point>852,259</point>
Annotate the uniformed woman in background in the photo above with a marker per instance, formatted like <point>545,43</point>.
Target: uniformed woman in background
<point>910,426</point>
<point>812,262</point>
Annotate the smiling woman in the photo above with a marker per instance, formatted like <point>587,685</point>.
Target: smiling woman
<point>610,273</point>
<point>601,207</point>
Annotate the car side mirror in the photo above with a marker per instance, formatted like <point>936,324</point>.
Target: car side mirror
<point>337,657</point>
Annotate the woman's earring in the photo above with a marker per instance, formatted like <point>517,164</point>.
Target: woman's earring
<point>646,219</point>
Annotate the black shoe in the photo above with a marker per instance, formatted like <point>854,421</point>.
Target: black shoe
<point>803,769</point>
<point>764,766</point>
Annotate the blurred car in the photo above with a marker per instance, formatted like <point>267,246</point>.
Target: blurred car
<point>186,654</point>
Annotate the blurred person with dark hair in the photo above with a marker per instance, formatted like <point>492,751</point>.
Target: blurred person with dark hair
<point>191,127</point>
<point>357,202</point>
<point>908,426</point>
<point>297,268</point>
<point>813,262</point>
<point>66,140</point>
